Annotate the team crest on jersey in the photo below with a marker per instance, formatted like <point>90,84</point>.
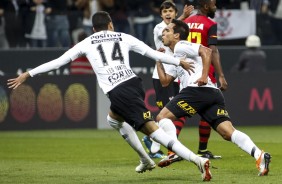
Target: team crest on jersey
<point>223,25</point>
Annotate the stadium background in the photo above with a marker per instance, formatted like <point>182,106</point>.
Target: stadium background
<point>60,100</point>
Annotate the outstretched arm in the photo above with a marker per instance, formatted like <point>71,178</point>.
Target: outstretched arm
<point>54,64</point>
<point>15,82</point>
<point>165,58</point>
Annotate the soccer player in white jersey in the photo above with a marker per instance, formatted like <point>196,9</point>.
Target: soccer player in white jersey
<point>201,96</point>
<point>108,53</point>
<point>168,11</point>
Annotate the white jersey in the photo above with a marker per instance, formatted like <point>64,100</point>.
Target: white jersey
<point>188,50</point>
<point>108,54</point>
<point>158,31</point>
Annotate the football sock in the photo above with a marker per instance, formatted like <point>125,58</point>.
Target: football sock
<point>130,136</point>
<point>204,135</point>
<point>244,142</point>
<point>168,126</point>
<point>179,123</point>
<point>174,145</point>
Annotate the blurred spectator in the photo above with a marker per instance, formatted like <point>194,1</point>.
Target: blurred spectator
<point>275,12</point>
<point>35,24</point>
<point>88,8</point>
<point>142,19</point>
<point>58,24</point>
<point>264,27</point>
<point>81,65</point>
<point>3,40</point>
<point>253,58</point>
<point>119,15</point>
<point>14,16</point>
<point>229,4</point>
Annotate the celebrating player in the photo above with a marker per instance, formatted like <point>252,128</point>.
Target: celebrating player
<point>108,53</point>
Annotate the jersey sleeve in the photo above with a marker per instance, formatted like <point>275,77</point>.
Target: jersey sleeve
<point>170,70</point>
<point>186,49</point>
<point>140,47</point>
<point>51,65</point>
<point>212,35</point>
<point>67,57</point>
<point>158,37</point>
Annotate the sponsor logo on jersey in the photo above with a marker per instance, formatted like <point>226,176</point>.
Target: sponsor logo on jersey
<point>106,40</point>
<point>196,26</point>
<point>147,115</point>
<point>186,107</point>
<point>222,112</point>
<point>120,76</point>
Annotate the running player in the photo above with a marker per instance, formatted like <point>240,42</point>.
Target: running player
<point>108,53</point>
<point>200,95</point>
<point>203,30</point>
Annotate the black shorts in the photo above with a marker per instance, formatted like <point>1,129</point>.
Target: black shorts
<point>127,100</point>
<point>164,94</point>
<point>208,102</point>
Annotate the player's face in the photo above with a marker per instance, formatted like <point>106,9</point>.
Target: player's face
<point>168,35</point>
<point>168,14</point>
<point>212,9</point>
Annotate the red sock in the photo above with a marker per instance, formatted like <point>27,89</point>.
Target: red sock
<point>204,133</point>
<point>179,123</point>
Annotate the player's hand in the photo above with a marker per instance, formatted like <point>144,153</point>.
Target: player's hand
<point>161,50</point>
<point>202,81</point>
<point>15,82</point>
<point>187,65</point>
<point>187,11</point>
<point>223,84</point>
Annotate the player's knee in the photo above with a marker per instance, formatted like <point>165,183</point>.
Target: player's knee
<point>226,136</point>
<point>160,116</point>
<point>114,123</point>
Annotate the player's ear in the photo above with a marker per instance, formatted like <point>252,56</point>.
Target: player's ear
<point>176,35</point>
<point>111,26</point>
<point>94,30</point>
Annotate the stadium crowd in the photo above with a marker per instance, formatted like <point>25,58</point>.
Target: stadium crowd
<point>50,23</point>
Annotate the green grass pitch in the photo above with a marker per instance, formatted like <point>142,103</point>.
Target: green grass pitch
<point>103,157</point>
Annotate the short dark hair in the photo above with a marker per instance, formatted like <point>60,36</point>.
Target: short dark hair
<point>101,20</point>
<point>181,28</point>
<point>167,4</point>
<point>202,3</point>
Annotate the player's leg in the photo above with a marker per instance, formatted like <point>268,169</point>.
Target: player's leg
<point>130,136</point>
<point>219,119</point>
<point>204,135</point>
<point>156,133</point>
<point>178,122</point>
<point>163,96</point>
<point>243,141</point>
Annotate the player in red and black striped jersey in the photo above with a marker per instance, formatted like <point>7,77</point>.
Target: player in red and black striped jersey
<point>203,30</point>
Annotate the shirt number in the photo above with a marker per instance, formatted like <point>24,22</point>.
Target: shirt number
<point>196,36</point>
<point>116,54</point>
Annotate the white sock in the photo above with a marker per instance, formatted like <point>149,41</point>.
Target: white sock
<point>169,128</point>
<point>130,136</point>
<point>167,141</point>
<point>244,142</point>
